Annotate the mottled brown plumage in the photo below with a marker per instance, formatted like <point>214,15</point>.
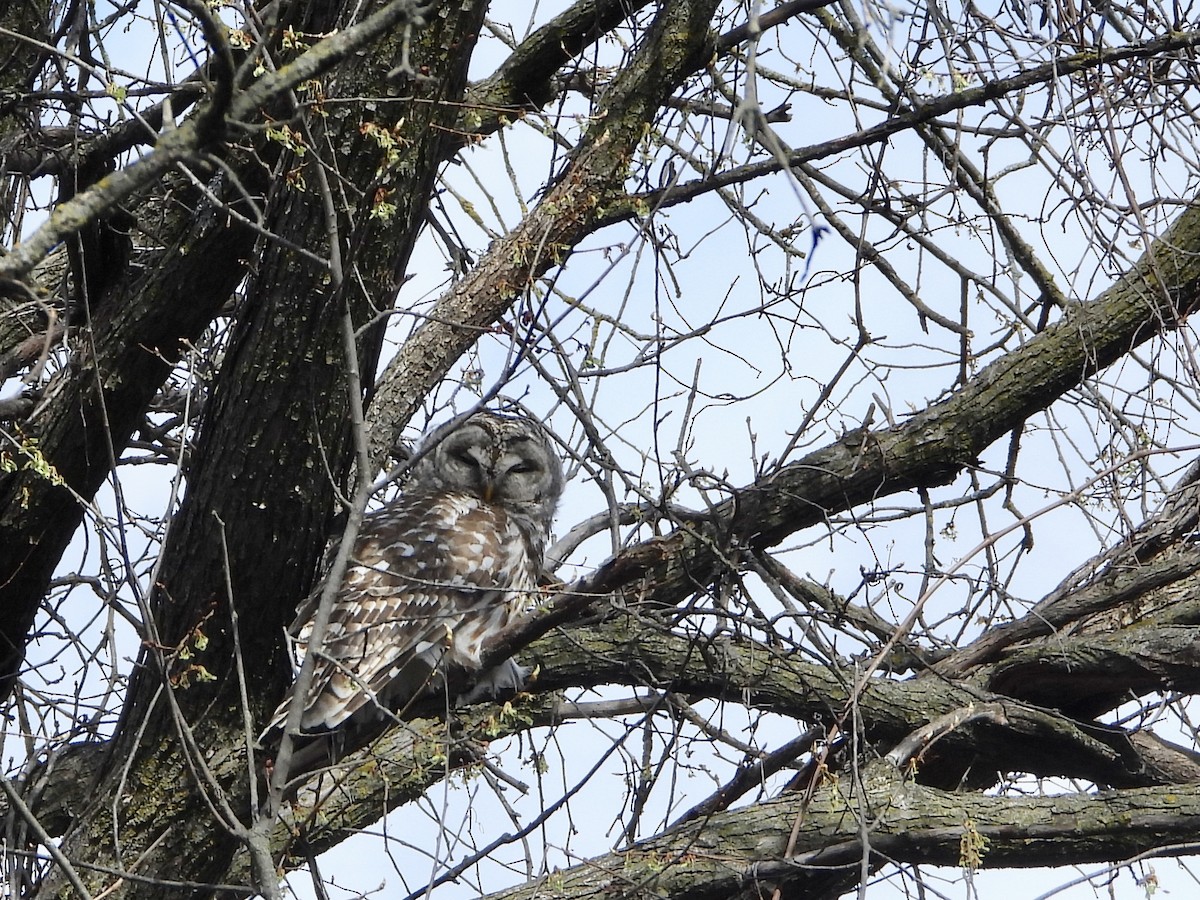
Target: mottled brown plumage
<point>435,573</point>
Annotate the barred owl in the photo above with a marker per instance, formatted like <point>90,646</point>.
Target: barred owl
<point>435,573</point>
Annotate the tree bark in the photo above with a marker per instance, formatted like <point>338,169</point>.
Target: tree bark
<point>325,227</point>
<point>263,420</point>
<point>880,817</point>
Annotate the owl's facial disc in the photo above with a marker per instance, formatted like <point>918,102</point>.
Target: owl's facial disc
<point>495,470</point>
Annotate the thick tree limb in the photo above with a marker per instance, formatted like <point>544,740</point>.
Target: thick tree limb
<point>402,764</point>
<point>89,411</point>
<point>1151,569</point>
<point>1090,674</point>
<point>527,79</point>
<point>90,408</point>
<point>935,445</point>
<point>733,852</point>
<point>676,44</point>
<point>262,418</point>
<point>187,141</point>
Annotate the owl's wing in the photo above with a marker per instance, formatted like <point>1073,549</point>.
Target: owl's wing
<point>424,574</point>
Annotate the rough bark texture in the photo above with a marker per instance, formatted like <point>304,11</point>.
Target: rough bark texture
<point>261,420</point>
<point>90,410</point>
<point>745,850</point>
<point>277,240</point>
<point>573,207</point>
<point>1025,733</point>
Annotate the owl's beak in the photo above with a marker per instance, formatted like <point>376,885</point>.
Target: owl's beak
<point>489,489</point>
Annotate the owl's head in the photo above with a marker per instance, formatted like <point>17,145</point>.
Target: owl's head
<point>506,460</point>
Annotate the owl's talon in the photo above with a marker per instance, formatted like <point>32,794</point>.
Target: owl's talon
<point>508,677</point>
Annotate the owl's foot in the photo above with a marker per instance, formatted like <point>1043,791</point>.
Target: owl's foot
<point>508,677</point>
